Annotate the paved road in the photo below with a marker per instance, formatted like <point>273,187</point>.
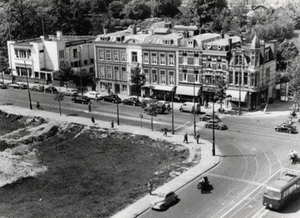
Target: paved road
<point>253,154</point>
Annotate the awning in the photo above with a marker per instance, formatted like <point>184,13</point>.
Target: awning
<point>235,95</point>
<point>163,88</point>
<point>187,90</point>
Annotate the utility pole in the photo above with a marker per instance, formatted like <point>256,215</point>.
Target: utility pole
<point>213,137</point>
<point>194,109</point>
<point>30,104</point>
<point>173,130</point>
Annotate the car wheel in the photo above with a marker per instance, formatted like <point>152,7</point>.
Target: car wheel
<point>162,207</point>
<point>82,102</point>
<point>73,101</point>
<point>206,126</point>
<point>180,109</point>
<point>276,130</point>
<point>220,128</point>
<point>290,131</point>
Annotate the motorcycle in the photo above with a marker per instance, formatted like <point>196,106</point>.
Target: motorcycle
<point>204,185</point>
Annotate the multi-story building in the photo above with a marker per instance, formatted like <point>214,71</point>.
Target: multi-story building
<point>38,59</point>
<point>179,62</point>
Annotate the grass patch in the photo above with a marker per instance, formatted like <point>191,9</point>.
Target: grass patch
<point>91,173</point>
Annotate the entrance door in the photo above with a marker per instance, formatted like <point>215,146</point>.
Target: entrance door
<point>117,88</point>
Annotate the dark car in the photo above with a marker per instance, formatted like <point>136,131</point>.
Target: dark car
<point>207,117</point>
<point>160,107</point>
<point>51,89</point>
<point>111,98</point>
<point>132,101</point>
<point>286,127</point>
<point>81,99</point>
<point>216,124</point>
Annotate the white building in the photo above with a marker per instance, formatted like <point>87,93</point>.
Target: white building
<point>39,58</point>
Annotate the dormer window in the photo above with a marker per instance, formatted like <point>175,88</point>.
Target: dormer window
<point>168,42</point>
<point>190,43</point>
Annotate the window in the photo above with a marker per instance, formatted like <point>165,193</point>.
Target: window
<point>245,79</point>
<point>146,72</point>
<point>190,61</point>
<point>85,62</point>
<point>208,80</point>
<point>180,60</point>
<point>146,58</point>
<point>101,54</point>
<point>153,58</point>
<point>61,54</point>
<point>162,59</point>
<point>91,70</point>
<point>116,56</point>
<point>75,53</point>
<point>238,78</point>
<point>101,70</point>
<point>184,76</point>
<point>124,88</point>
<point>92,60</point>
<point>230,77</point>
<point>268,74</point>
<point>124,74</point>
<point>238,59</point>
<point>154,76</point>
<point>36,75</point>
<point>108,72</point>
<point>117,73</point>
<point>22,54</point>
<point>171,60</point>
<point>171,78</point>
<point>123,56</point>
<point>108,55</point>
<point>134,58</point>
<point>163,77</point>
<point>43,76</point>
<point>61,63</point>
<point>254,79</point>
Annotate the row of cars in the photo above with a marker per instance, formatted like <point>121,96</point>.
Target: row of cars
<point>213,121</point>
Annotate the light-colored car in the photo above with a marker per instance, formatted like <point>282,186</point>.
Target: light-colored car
<point>217,124</point>
<point>92,95</point>
<point>70,92</point>
<point>189,107</point>
<point>164,200</point>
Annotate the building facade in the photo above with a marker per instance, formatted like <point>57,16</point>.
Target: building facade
<point>39,59</point>
<point>180,63</point>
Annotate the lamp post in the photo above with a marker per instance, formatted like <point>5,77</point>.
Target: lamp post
<point>194,109</point>
<point>80,70</point>
<point>173,130</point>
<point>30,104</point>
<point>118,118</point>
<point>213,137</point>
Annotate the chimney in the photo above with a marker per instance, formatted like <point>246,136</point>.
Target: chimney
<point>133,30</point>
<point>42,38</point>
<point>273,46</point>
<point>222,34</point>
<point>262,49</point>
<point>59,35</point>
<point>242,40</point>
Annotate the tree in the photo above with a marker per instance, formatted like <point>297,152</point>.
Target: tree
<point>116,8</point>
<point>66,73</point>
<point>166,8</point>
<point>293,71</point>
<point>285,52</point>
<point>220,93</point>
<point>137,11</point>
<point>59,97</point>
<point>137,79</point>
<point>152,111</point>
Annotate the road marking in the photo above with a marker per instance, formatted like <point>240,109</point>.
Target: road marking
<point>182,125</point>
<point>247,196</point>
<point>237,179</point>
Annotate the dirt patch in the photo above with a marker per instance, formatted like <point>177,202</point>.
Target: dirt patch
<point>83,171</point>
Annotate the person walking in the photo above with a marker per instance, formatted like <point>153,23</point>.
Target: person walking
<point>90,106</point>
<point>265,109</point>
<point>150,187</point>
<point>197,138</point>
<point>185,139</point>
<point>165,131</point>
<point>38,106</point>
<point>93,120</point>
<point>112,124</point>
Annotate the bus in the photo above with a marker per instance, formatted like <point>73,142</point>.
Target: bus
<point>280,193</point>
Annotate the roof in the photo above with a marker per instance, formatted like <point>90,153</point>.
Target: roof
<point>255,43</point>
<point>158,39</point>
<point>224,41</point>
<point>182,27</point>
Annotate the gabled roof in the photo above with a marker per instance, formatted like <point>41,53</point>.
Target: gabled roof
<point>255,43</point>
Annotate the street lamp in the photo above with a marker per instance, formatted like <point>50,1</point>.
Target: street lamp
<point>173,130</point>
<point>213,137</point>
<point>80,70</point>
<point>30,104</point>
<point>194,109</point>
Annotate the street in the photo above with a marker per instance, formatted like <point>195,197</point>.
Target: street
<point>252,154</point>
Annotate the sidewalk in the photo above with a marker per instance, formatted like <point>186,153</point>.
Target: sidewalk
<point>204,149</point>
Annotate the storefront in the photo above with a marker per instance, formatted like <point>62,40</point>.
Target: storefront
<point>162,92</point>
<point>188,93</point>
<point>237,97</point>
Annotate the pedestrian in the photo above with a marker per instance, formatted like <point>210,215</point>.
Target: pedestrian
<point>197,137</point>
<point>150,187</point>
<point>165,131</point>
<point>185,139</point>
<point>265,109</point>
<point>38,106</point>
<point>112,124</point>
<point>90,106</point>
<point>93,120</point>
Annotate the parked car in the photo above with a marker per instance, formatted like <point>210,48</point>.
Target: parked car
<point>132,101</point>
<point>167,104</point>
<point>22,85</point>
<point>215,124</point>
<point>164,200</point>
<point>39,88</point>
<point>286,127</point>
<point>111,98</point>
<point>189,107</point>
<point>207,117</point>
<point>161,108</point>
<point>70,92</point>
<point>92,95</point>
<point>81,99</point>
<point>51,89</point>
